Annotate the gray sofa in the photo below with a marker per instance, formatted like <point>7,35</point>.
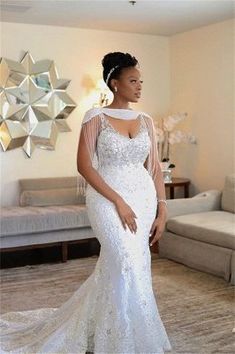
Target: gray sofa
<point>200,231</point>
<point>50,212</point>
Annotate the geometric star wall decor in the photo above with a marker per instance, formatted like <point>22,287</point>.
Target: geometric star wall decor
<point>33,104</point>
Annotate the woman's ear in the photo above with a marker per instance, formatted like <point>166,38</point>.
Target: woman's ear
<point>113,84</point>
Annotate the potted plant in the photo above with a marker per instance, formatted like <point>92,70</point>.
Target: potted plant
<point>167,136</point>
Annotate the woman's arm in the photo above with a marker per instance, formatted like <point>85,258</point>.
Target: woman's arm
<point>85,168</point>
<point>152,164</point>
<point>160,188</point>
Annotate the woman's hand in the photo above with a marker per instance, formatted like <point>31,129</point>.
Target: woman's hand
<point>126,214</point>
<point>158,226</point>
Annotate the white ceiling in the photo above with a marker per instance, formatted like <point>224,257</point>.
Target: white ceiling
<point>159,17</point>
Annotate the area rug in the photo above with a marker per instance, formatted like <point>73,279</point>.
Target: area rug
<point>197,309</point>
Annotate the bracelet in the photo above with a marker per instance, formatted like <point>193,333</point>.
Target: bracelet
<point>162,200</point>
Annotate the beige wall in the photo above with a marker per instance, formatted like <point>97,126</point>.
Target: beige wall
<point>202,78</point>
<point>191,72</point>
<point>77,54</point>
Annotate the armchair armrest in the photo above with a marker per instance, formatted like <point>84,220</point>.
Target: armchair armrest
<point>205,201</point>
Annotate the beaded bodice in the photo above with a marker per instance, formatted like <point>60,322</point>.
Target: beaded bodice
<point>116,149</point>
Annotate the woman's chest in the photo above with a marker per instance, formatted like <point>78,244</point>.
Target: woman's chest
<point>113,147</point>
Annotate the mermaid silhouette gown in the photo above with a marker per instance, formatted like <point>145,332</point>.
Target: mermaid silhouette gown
<point>114,310</point>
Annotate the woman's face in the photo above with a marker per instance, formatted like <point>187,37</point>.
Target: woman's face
<point>129,84</point>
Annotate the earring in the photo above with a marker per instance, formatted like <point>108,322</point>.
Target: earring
<point>115,89</point>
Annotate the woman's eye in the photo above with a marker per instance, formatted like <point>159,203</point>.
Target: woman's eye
<point>141,81</point>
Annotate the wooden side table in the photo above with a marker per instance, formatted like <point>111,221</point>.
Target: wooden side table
<point>179,182</point>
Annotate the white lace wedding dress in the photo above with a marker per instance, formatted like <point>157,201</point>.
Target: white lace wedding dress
<point>114,311</point>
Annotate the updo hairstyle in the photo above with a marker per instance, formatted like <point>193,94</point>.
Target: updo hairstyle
<point>111,60</point>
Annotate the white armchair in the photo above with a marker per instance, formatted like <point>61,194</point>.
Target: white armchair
<point>205,201</point>
<point>200,231</point>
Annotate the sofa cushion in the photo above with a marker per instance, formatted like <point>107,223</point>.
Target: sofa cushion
<point>215,227</point>
<point>228,195</point>
<point>60,196</point>
<point>27,220</point>
<point>50,191</point>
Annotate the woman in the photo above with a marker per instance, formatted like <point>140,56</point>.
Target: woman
<point>114,311</point>
<point>125,198</point>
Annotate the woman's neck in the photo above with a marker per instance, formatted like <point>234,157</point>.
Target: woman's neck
<point>119,104</point>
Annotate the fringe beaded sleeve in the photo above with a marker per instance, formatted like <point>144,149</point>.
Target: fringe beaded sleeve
<point>152,163</point>
<point>90,130</point>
